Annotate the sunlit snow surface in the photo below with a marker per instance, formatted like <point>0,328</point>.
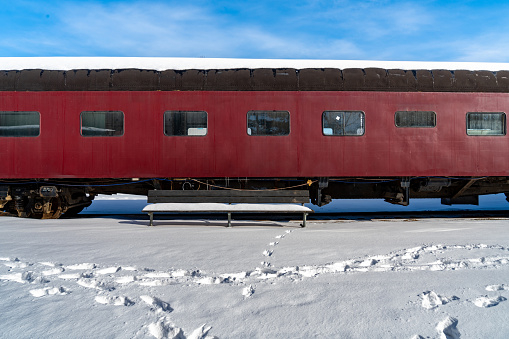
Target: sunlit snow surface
<point>114,277</point>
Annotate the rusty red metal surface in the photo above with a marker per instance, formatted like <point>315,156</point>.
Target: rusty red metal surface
<point>228,151</point>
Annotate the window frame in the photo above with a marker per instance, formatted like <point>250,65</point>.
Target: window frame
<point>185,135</point>
<point>363,115</point>
<point>268,111</point>
<point>23,136</point>
<point>102,136</point>
<point>504,127</point>
<point>434,119</point>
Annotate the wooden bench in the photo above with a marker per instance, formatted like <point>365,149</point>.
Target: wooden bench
<point>228,201</point>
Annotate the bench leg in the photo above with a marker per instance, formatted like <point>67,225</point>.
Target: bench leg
<point>151,214</point>
<point>304,220</point>
<point>229,219</point>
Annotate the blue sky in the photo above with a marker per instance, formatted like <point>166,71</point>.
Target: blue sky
<point>315,29</point>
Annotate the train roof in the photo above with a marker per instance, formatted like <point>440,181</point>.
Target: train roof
<point>202,74</point>
<point>162,64</point>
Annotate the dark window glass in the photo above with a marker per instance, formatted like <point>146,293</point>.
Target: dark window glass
<point>20,124</point>
<point>492,123</point>
<point>102,124</point>
<point>182,123</point>
<point>343,123</point>
<point>415,119</point>
<point>268,122</point>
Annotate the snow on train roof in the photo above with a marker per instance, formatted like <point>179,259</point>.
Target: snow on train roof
<point>161,64</point>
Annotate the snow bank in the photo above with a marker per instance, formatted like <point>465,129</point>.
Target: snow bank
<point>161,64</point>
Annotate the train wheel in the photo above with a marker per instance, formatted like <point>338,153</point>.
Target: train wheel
<point>52,208</point>
<point>21,207</point>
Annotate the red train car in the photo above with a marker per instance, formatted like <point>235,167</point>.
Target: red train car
<point>74,128</point>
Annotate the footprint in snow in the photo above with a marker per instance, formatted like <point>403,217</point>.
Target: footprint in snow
<point>208,281</point>
<point>17,264</point>
<point>40,280</point>
<point>153,283</point>
<point>85,266</point>
<point>115,301</point>
<point>163,328</point>
<point>127,279</point>
<point>53,271</point>
<point>431,300</point>
<point>129,268</point>
<point>488,302</point>
<point>448,328</point>
<point>71,276</point>
<point>94,284</point>
<point>22,278</point>
<point>157,305</point>
<point>248,291</point>
<point>500,287</point>
<point>201,333</point>
<point>281,236</point>
<point>41,292</point>
<point>368,262</point>
<point>109,270</point>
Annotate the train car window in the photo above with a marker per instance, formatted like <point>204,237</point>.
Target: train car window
<point>486,123</point>
<point>343,123</point>
<point>415,119</point>
<point>185,123</point>
<point>20,124</point>
<point>275,123</point>
<point>102,124</point>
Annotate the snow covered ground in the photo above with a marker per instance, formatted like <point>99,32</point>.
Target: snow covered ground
<point>114,277</point>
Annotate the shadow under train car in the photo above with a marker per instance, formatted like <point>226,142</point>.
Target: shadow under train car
<point>127,204</point>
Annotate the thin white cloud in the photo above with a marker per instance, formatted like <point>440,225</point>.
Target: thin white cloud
<point>296,47</point>
<point>162,30</point>
<point>370,19</point>
<point>131,29</point>
<point>489,48</point>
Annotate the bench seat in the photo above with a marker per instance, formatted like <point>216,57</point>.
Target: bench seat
<point>229,196</point>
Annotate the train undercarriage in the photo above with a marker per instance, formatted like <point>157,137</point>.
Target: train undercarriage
<point>40,201</point>
<point>51,199</point>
